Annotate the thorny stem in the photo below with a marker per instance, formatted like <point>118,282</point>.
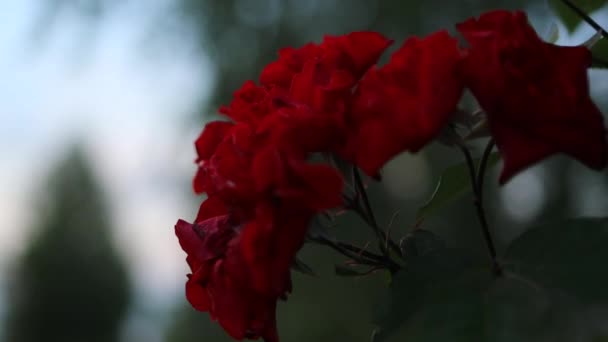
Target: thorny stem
<point>358,255</point>
<point>477,187</point>
<point>360,251</point>
<point>586,18</point>
<point>385,241</point>
<point>482,168</point>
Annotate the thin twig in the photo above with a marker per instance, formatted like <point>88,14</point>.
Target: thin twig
<point>361,251</point>
<point>358,255</point>
<point>338,248</point>
<point>483,165</point>
<point>470,166</point>
<point>476,184</point>
<point>481,213</point>
<point>385,241</point>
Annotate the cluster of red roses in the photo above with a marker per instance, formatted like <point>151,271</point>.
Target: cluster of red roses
<point>263,191</point>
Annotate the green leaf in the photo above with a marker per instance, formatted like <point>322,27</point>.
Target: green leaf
<point>453,183</point>
<point>473,306</point>
<point>348,271</point>
<point>569,255</point>
<point>412,287</point>
<point>554,281</point>
<point>600,53</point>
<point>568,17</point>
<point>508,309</point>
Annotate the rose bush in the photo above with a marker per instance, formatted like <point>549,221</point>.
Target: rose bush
<point>332,100</point>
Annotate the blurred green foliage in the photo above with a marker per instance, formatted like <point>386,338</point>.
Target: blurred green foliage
<point>70,285</point>
<point>552,288</point>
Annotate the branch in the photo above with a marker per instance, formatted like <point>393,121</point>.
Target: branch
<point>586,18</point>
<point>477,187</point>
<point>368,215</point>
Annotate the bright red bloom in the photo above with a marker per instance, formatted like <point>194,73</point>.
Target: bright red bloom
<point>535,94</point>
<point>404,104</point>
<point>220,282</point>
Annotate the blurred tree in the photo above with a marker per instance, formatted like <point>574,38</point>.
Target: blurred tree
<point>70,285</point>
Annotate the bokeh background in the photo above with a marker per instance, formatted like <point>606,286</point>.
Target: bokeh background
<point>100,102</point>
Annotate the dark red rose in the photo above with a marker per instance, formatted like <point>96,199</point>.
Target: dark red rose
<point>312,187</point>
<point>227,171</point>
<point>301,130</point>
<point>403,105</point>
<point>535,94</point>
<point>334,60</point>
<point>263,192</point>
<point>269,244</point>
<point>250,104</point>
<point>296,191</point>
<point>318,82</point>
<point>291,61</point>
<point>220,282</point>
<point>212,135</point>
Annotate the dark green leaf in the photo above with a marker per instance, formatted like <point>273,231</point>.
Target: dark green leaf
<point>508,310</point>
<point>321,226</point>
<point>348,271</point>
<point>554,279</point>
<point>600,54</point>
<point>412,287</point>
<point>569,255</point>
<point>453,183</point>
<point>570,19</point>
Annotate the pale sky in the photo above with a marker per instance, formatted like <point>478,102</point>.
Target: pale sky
<point>130,107</point>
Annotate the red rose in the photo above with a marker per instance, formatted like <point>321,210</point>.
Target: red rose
<point>250,104</point>
<point>269,243</point>
<point>311,187</point>
<point>212,135</point>
<point>295,191</point>
<point>220,282</point>
<point>300,130</point>
<point>226,171</point>
<point>291,61</point>
<point>336,58</point>
<point>535,94</point>
<point>262,190</point>
<point>404,104</point>
<point>318,82</point>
